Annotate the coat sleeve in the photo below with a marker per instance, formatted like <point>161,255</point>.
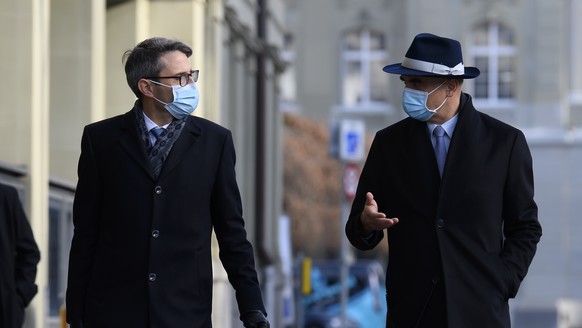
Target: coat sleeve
<point>236,252</point>
<point>86,209</point>
<point>521,227</point>
<point>27,254</point>
<point>368,183</point>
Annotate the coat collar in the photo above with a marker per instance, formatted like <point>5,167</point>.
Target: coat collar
<point>464,143</point>
<point>183,144</point>
<point>466,130</point>
<point>422,151</point>
<point>420,159</point>
<point>131,141</point>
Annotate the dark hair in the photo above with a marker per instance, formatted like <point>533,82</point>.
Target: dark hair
<point>144,59</point>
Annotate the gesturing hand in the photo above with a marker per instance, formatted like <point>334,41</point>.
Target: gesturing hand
<point>372,220</point>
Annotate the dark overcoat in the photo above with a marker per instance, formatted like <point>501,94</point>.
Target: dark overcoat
<point>19,256</point>
<point>141,250</point>
<point>464,243</point>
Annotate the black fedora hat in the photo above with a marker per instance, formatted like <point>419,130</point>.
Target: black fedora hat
<point>432,55</point>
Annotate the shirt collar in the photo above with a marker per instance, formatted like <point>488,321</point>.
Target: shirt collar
<point>449,126</point>
<point>151,124</point>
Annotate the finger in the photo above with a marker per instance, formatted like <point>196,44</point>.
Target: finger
<point>370,199</point>
<point>372,207</point>
<point>376,215</point>
<point>390,222</point>
<point>370,202</point>
<point>386,223</point>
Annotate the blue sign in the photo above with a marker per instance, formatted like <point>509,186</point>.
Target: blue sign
<point>352,137</point>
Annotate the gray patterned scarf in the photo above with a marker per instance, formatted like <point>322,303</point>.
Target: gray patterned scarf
<point>158,152</point>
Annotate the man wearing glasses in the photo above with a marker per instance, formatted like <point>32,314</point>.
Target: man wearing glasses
<point>153,184</point>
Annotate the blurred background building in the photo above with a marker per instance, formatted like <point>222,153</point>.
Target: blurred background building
<point>280,74</point>
<point>531,77</point>
<point>62,63</point>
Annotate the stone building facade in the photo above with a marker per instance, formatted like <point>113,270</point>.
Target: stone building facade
<point>529,55</point>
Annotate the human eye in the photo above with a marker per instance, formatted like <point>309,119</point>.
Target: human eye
<point>184,79</point>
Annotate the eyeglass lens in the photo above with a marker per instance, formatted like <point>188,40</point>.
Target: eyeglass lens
<point>184,79</point>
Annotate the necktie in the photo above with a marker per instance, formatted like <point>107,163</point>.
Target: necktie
<point>439,147</point>
<point>157,131</point>
<point>157,161</point>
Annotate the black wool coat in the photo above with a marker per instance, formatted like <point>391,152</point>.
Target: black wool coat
<point>463,243</point>
<point>19,256</point>
<point>141,250</point>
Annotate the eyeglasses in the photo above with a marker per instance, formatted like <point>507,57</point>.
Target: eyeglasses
<point>184,78</point>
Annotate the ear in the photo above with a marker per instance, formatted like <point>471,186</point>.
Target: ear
<point>145,87</point>
<point>453,85</point>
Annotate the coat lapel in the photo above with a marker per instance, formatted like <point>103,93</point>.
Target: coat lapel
<point>421,180</point>
<point>464,149</point>
<point>422,156</point>
<point>130,140</point>
<point>183,144</point>
<point>463,142</point>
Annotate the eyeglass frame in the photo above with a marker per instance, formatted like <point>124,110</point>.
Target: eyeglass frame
<point>193,74</point>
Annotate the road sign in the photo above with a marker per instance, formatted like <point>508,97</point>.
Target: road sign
<point>351,177</point>
<point>352,137</point>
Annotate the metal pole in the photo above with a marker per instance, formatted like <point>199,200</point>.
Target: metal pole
<point>344,258</point>
<point>351,150</point>
<point>298,288</point>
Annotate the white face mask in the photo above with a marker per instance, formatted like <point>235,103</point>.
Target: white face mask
<point>185,99</point>
<point>414,103</point>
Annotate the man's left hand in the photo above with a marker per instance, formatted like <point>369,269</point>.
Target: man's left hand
<point>255,319</point>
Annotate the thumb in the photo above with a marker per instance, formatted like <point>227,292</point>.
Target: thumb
<point>370,200</point>
<point>372,206</point>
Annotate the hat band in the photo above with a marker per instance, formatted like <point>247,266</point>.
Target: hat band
<point>439,69</point>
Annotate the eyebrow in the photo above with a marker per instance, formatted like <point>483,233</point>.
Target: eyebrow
<point>183,73</point>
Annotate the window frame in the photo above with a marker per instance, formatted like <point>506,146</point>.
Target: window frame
<point>493,52</point>
<point>364,56</point>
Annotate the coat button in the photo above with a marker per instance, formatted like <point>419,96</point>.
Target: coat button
<point>155,233</point>
<point>152,277</point>
<point>158,190</point>
<point>440,223</point>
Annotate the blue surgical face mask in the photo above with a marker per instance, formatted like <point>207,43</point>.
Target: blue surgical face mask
<point>414,103</point>
<point>185,99</point>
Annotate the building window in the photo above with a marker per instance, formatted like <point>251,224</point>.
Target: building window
<point>492,49</point>
<point>288,97</point>
<point>363,56</point>
<point>60,235</point>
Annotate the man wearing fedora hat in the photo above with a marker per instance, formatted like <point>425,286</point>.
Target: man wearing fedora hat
<point>454,189</point>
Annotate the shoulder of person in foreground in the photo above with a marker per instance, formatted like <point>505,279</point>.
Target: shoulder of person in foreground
<point>27,254</point>
<point>206,125</point>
